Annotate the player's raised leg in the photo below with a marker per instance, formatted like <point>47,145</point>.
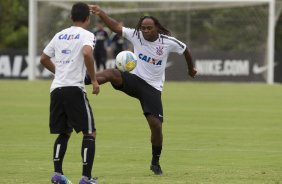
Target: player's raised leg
<point>109,75</point>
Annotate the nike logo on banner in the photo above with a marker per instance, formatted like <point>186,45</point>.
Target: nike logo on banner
<point>260,69</point>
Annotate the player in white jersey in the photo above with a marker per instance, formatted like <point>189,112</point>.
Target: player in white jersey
<point>71,51</point>
<point>152,44</point>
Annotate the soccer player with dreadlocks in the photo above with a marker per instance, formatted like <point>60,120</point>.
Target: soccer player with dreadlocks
<point>152,44</point>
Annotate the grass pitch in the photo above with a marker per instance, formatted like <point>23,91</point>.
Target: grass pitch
<point>214,133</point>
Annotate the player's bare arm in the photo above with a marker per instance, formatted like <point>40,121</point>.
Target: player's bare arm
<point>47,63</point>
<point>111,23</point>
<point>191,69</point>
<point>89,63</point>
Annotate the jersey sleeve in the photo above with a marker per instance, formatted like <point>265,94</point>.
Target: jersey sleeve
<point>50,48</point>
<point>89,40</point>
<point>177,46</point>
<point>128,33</point>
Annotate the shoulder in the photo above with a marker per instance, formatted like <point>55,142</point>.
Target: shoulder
<point>63,31</point>
<point>85,31</point>
<point>86,34</point>
<point>130,33</point>
<point>127,30</point>
<point>172,40</point>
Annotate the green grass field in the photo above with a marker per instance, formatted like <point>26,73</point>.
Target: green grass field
<point>214,133</point>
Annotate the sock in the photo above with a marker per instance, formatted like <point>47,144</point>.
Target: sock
<point>59,151</point>
<point>87,154</point>
<point>156,153</point>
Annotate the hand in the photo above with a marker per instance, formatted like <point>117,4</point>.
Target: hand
<point>192,72</point>
<point>96,87</point>
<point>95,9</point>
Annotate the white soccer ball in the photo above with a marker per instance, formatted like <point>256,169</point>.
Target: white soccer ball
<point>126,61</point>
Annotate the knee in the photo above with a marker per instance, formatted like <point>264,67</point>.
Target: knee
<point>115,73</point>
<point>65,135</point>
<point>157,127</point>
<point>155,123</point>
<point>93,134</point>
<point>115,76</point>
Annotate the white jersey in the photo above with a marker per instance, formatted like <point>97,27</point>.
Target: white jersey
<point>152,56</point>
<point>65,49</point>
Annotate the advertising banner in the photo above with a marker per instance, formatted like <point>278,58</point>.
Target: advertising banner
<point>14,65</point>
<point>220,66</point>
<point>215,66</point>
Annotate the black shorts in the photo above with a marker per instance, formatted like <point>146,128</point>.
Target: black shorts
<point>149,97</point>
<point>70,109</point>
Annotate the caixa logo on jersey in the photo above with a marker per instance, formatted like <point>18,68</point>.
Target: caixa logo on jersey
<point>149,59</point>
<point>69,36</point>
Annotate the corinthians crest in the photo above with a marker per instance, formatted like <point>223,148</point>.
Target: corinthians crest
<point>159,50</point>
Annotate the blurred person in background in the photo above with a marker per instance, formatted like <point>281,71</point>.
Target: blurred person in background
<point>102,43</point>
<point>119,43</point>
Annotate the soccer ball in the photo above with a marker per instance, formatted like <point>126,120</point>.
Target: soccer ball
<point>126,61</point>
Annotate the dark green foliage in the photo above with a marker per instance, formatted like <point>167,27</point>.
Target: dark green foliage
<point>14,24</point>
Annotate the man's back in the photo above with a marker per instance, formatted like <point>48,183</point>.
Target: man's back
<point>66,50</point>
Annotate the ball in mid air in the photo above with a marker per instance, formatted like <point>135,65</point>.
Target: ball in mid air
<point>126,61</point>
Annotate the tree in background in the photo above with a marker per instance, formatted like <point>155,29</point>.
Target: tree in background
<point>242,29</point>
<point>204,33</point>
<point>14,24</point>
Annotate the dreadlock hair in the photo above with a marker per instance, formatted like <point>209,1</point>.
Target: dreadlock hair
<point>162,30</point>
